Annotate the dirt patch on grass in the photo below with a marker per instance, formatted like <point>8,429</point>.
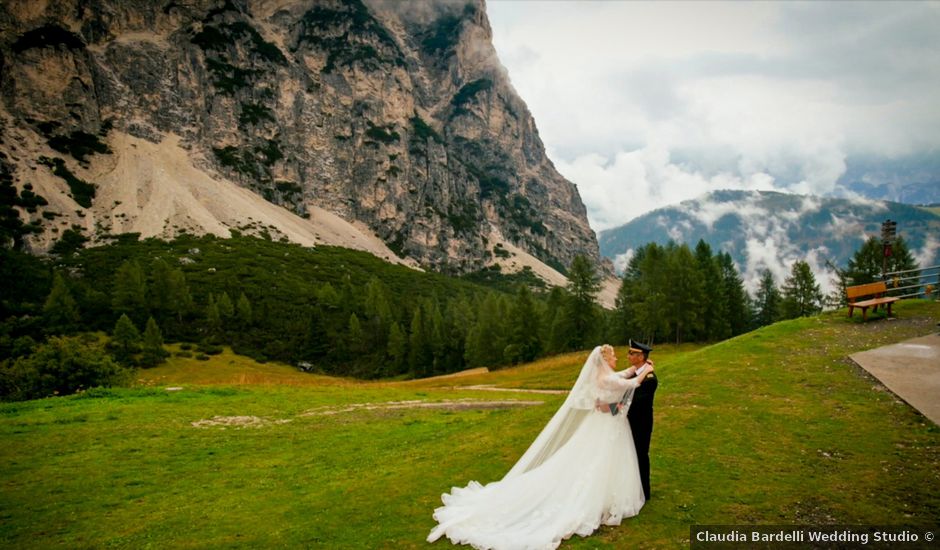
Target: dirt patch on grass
<point>486,387</point>
<point>452,405</point>
<point>237,422</point>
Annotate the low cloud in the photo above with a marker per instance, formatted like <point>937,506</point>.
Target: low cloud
<point>929,254</point>
<point>630,184</point>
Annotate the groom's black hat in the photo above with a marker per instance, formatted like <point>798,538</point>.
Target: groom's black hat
<point>637,346</point>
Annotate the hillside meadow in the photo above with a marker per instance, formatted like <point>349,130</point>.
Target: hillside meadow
<point>775,426</point>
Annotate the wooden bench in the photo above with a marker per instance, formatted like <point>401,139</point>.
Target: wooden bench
<point>876,291</point>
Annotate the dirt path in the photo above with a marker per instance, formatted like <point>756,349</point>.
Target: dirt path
<point>450,405</point>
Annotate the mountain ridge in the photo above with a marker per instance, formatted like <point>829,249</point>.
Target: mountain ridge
<point>768,229</point>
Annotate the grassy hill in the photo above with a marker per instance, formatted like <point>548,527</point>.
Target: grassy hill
<point>774,426</point>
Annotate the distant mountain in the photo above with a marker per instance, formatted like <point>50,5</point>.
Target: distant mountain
<point>912,179</point>
<point>767,229</point>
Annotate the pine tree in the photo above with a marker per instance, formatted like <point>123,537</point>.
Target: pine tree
<point>328,298</point>
<point>649,294</point>
<point>378,314</point>
<point>126,337</point>
<point>901,258</point>
<point>376,303</point>
<point>458,318</point>
<point>623,320</point>
<point>768,300</point>
<point>130,291</point>
<point>801,295</point>
<point>160,288</point>
<point>213,320</point>
<point>226,308</point>
<point>684,304</point>
<point>486,340</point>
<point>349,298</point>
<point>243,311</point>
<point>60,312</point>
<point>418,349</point>
<point>715,324</point>
<point>181,301</point>
<point>524,343</point>
<point>735,297</point>
<point>554,340</point>
<point>629,298</point>
<point>434,327</point>
<point>355,343</point>
<point>583,284</point>
<point>867,263</point>
<point>316,343</point>
<point>152,352</point>
<point>397,349</point>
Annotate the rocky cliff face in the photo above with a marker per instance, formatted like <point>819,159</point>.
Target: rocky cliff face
<point>396,115</point>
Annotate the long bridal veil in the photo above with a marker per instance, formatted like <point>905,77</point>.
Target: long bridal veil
<point>579,404</point>
<point>580,472</point>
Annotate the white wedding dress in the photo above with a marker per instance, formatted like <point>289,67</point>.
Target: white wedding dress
<point>580,472</point>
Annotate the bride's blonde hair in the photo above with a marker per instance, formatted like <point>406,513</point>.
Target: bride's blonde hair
<point>607,350</point>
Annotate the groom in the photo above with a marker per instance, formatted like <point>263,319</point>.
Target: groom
<point>640,413</point>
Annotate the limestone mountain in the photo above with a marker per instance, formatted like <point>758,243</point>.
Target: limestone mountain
<point>382,125</point>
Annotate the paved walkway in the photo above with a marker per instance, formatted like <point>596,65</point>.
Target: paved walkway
<point>910,369</point>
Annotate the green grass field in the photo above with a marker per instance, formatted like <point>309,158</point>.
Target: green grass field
<point>776,426</point>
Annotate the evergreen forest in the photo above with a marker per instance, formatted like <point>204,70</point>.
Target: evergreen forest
<point>81,317</point>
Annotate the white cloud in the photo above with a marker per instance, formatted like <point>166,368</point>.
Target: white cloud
<point>621,261</point>
<point>645,104</point>
<point>709,212</point>
<point>630,184</point>
<point>929,254</point>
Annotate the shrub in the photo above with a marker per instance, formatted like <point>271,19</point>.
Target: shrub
<point>79,144</point>
<point>202,357</point>
<point>288,187</point>
<point>45,36</point>
<point>270,151</point>
<point>385,134</point>
<point>61,366</point>
<point>228,78</point>
<point>82,191</point>
<point>466,93</point>
<point>210,349</point>
<point>70,241</point>
<point>253,113</point>
<point>422,131</point>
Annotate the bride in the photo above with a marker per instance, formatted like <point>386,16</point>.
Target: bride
<point>580,472</point>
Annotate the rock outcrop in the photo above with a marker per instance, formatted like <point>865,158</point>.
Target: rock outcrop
<point>396,116</point>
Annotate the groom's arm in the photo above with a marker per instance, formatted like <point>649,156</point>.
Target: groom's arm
<point>612,408</point>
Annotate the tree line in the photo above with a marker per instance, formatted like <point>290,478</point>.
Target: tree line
<point>327,310</point>
<point>674,293</point>
<point>343,312</point>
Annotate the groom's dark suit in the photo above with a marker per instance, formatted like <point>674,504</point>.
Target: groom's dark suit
<point>640,416</point>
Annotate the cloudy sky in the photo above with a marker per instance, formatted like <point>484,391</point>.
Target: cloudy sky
<point>647,104</point>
